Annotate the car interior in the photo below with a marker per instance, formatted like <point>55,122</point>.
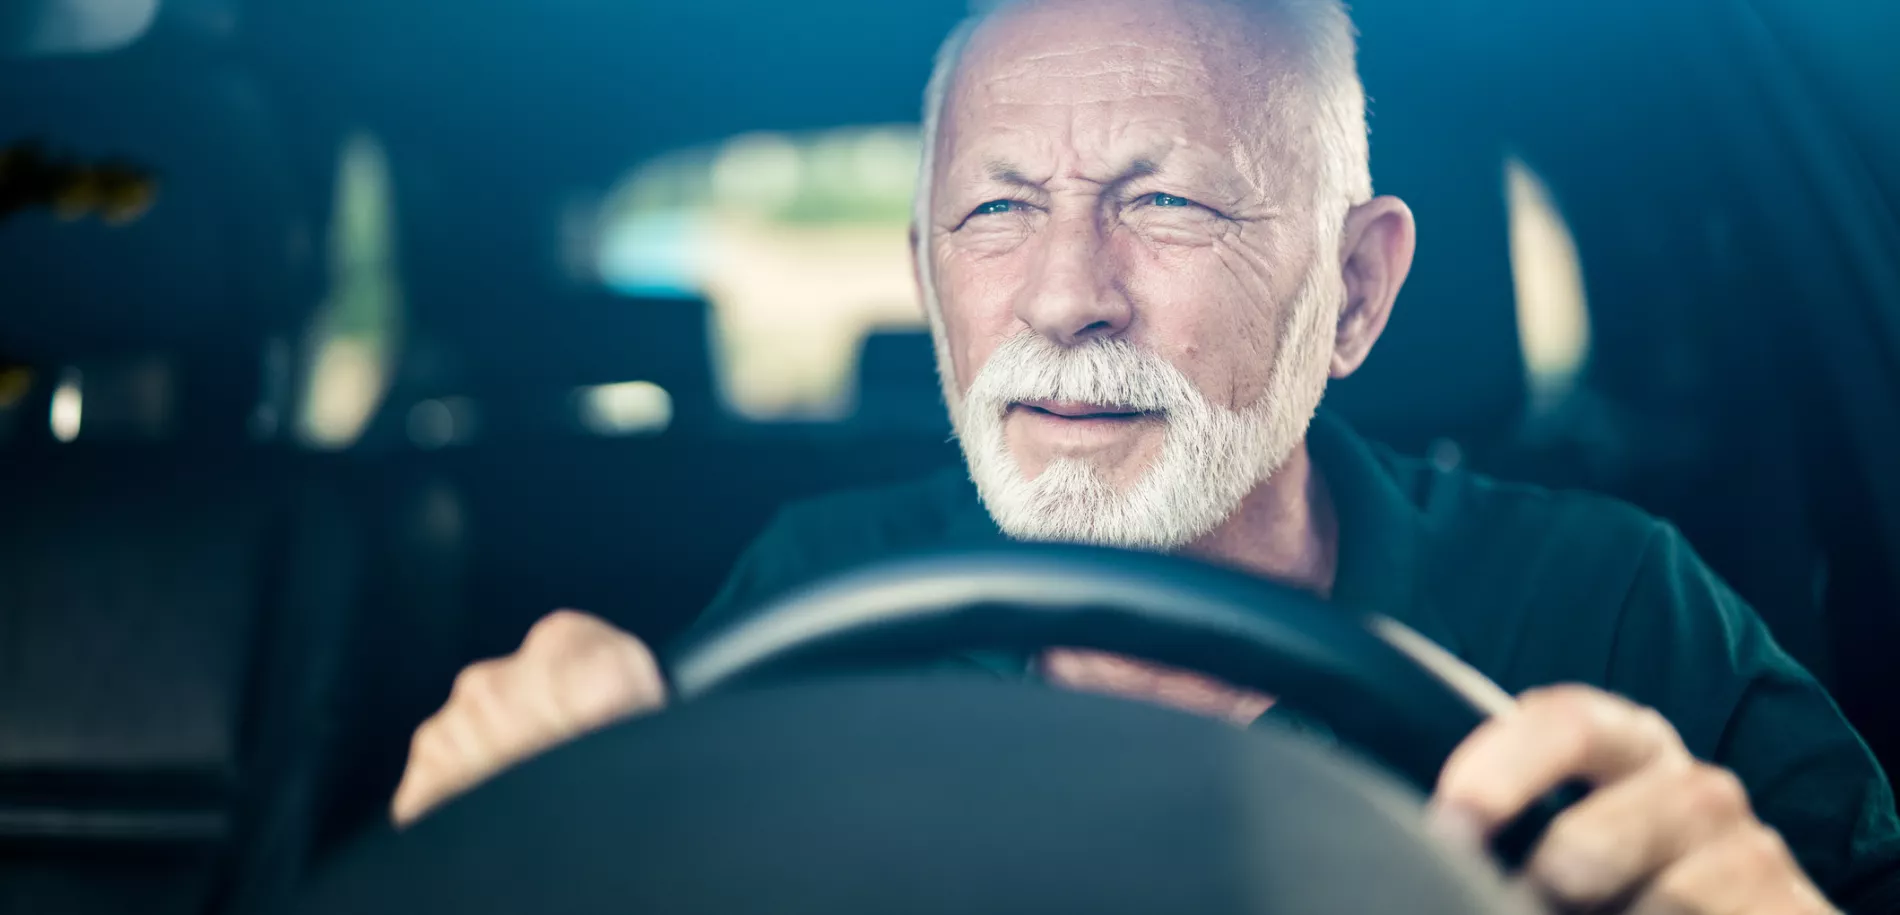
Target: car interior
<point>342,339</point>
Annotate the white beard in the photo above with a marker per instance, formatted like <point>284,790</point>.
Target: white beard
<point>1211,457</point>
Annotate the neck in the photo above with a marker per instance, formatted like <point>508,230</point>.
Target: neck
<point>1284,530</point>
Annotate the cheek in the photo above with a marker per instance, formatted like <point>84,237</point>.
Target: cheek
<point>1212,314</point>
<point>976,296</point>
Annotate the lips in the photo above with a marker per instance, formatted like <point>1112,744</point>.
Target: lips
<point>1065,409</point>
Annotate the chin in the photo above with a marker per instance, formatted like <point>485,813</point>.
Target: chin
<point>1096,478</point>
<point>1070,502</point>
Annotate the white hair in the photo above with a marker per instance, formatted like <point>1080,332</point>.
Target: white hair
<point>1324,46</point>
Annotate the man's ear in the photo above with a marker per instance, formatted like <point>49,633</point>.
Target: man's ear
<point>1375,256</point>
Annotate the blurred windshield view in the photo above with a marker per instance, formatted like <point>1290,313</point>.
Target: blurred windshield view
<point>798,242</point>
<point>430,316</point>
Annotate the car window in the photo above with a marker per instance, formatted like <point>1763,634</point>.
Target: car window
<point>797,240</point>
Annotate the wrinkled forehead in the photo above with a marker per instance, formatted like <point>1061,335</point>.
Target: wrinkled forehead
<point>1070,52</point>
<point>1203,76</point>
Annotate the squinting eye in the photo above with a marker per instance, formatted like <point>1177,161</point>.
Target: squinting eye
<point>994,207</point>
<point>1169,200</point>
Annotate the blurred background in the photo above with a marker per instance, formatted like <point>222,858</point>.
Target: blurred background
<point>341,339</point>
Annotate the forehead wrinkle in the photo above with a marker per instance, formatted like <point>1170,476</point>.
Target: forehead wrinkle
<point>1117,85</point>
<point>1007,173</point>
<point>1198,38</point>
<point>1090,51</point>
<point>1201,165</point>
<point>1263,164</point>
<point>1174,64</point>
<point>1130,150</point>
<point>1104,57</point>
<point>1270,152</point>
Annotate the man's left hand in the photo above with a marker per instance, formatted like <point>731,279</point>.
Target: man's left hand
<point>1662,832</point>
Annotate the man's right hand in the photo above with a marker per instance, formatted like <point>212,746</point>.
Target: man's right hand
<point>573,673</point>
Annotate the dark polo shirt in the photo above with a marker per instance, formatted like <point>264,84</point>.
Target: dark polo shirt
<point>1529,586</point>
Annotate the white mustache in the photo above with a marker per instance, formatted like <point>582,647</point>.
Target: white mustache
<point>1030,366</point>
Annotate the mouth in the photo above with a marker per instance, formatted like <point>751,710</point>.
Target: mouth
<point>1071,411</point>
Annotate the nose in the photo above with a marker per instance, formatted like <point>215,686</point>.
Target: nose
<point>1071,296</point>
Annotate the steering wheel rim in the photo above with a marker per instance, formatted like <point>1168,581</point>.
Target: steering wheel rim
<point>840,793</point>
<point>1381,687</point>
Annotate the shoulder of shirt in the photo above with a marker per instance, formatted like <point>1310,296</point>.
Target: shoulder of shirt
<point>1515,560</point>
<point>1468,503</point>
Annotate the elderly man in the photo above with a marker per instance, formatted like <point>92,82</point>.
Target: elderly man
<point>1146,238</point>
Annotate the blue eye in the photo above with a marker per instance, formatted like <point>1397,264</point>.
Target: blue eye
<point>994,207</point>
<point>1169,200</point>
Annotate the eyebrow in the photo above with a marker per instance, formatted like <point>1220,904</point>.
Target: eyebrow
<point>1001,171</point>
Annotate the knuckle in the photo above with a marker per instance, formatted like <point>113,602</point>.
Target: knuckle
<point>473,681</point>
<point>1761,850</point>
<point>1588,851</point>
<point>423,742</point>
<point>430,752</point>
<point>1657,730</point>
<point>1577,742</point>
<point>1582,723</point>
<point>1754,862</point>
<point>1715,792</point>
<point>591,675</point>
<point>641,662</point>
<point>1679,886</point>
<point>559,620</point>
<point>612,670</point>
<point>1570,714</point>
<point>1466,778</point>
<point>610,680</point>
<point>1565,700</point>
<point>559,628</point>
<point>1564,734</point>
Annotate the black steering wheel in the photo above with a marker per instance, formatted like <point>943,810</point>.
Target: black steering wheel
<point>848,787</point>
<point>1383,688</point>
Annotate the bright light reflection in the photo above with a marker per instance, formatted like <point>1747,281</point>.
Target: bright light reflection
<point>627,408</point>
<point>348,379</point>
<point>1553,312</point>
<point>354,334</point>
<point>68,403</point>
